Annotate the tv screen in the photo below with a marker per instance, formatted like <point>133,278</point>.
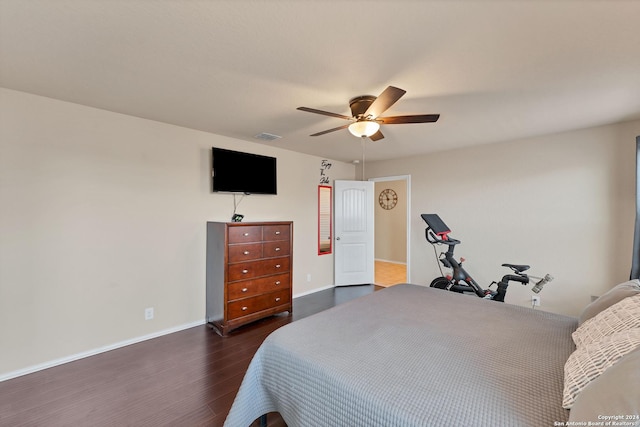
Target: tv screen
<point>237,172</point>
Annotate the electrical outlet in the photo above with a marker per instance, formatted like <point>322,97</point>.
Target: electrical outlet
<point>308,277</point>
<point>148,313</point>
<point>535,301</point>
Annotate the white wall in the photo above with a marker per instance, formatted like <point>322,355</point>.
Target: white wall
<point>103,215</point>
<point>563,203</point>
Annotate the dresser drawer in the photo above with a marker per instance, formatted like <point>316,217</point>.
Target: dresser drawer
<point>245,234</point>
<point>275,249</point>
<point>245,252</point>
<point>258,303</point>
<point>251,269</point>
<point>249,288</point>
<point>275,232</point>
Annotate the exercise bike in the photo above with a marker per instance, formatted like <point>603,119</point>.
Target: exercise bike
<point>437,233</point>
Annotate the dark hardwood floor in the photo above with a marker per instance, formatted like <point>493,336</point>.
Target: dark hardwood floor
<point>188,378</point>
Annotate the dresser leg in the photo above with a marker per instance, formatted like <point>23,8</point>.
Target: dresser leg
<point>219,328</point>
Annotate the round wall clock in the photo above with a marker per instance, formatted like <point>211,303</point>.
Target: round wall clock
<point>388,199</point>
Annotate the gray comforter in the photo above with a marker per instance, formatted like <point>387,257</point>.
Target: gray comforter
<point>411,356</point>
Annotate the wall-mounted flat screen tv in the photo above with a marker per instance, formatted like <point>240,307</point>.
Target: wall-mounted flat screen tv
<point>238,172</point>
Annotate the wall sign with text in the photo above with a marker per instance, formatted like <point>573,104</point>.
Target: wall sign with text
<point>324,167</point>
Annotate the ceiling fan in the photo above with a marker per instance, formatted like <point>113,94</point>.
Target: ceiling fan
<point>365,114</point>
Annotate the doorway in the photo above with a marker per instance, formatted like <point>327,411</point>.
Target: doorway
<point>392,229</point>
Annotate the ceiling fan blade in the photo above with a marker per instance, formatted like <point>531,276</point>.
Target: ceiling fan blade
<point>324,113</point>
<point>331,130</point>
<point>377,136</point>
<point>387,98</point>
<point>418,118</point>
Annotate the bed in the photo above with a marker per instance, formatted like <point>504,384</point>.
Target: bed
<point>410,355</point>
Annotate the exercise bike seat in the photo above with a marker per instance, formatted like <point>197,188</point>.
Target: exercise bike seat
<point>516,267</point>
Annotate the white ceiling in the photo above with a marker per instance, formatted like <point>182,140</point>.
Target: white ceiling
<point>494,70</point>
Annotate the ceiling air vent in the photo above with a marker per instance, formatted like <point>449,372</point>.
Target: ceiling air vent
<point>267,136</point>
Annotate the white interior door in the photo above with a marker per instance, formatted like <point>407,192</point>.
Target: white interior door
<point>354,232</point>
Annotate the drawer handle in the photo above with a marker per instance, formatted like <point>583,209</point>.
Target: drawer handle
<point>245,271</point>
<point>277,249</point>
<point>277,265</point>
<point>246,252</point>
<point>244,289</point>
<point>277,232</point>
<point>244,308</point>
<point>245,234</point>
<point>277,282</point>
<point>277,299</point>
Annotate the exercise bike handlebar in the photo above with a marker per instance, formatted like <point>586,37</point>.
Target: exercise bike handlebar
<point>435,239</point>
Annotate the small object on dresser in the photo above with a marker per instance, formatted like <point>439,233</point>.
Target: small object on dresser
<point>237,217</point>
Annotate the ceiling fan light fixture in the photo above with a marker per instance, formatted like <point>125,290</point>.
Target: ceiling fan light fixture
<point>364,128</point>
<point>366,113</point>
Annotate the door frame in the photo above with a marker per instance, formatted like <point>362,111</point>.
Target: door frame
<point>407,179</point>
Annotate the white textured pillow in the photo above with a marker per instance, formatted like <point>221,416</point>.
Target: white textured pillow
<point>620,316</point>
<point>589,361</point>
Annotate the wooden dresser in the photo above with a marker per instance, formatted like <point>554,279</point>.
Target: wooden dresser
<point>248,272</point>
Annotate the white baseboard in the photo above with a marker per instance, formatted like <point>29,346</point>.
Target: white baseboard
<point>391,262</point>
<point>313,291</point>
<point>63,360</point>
